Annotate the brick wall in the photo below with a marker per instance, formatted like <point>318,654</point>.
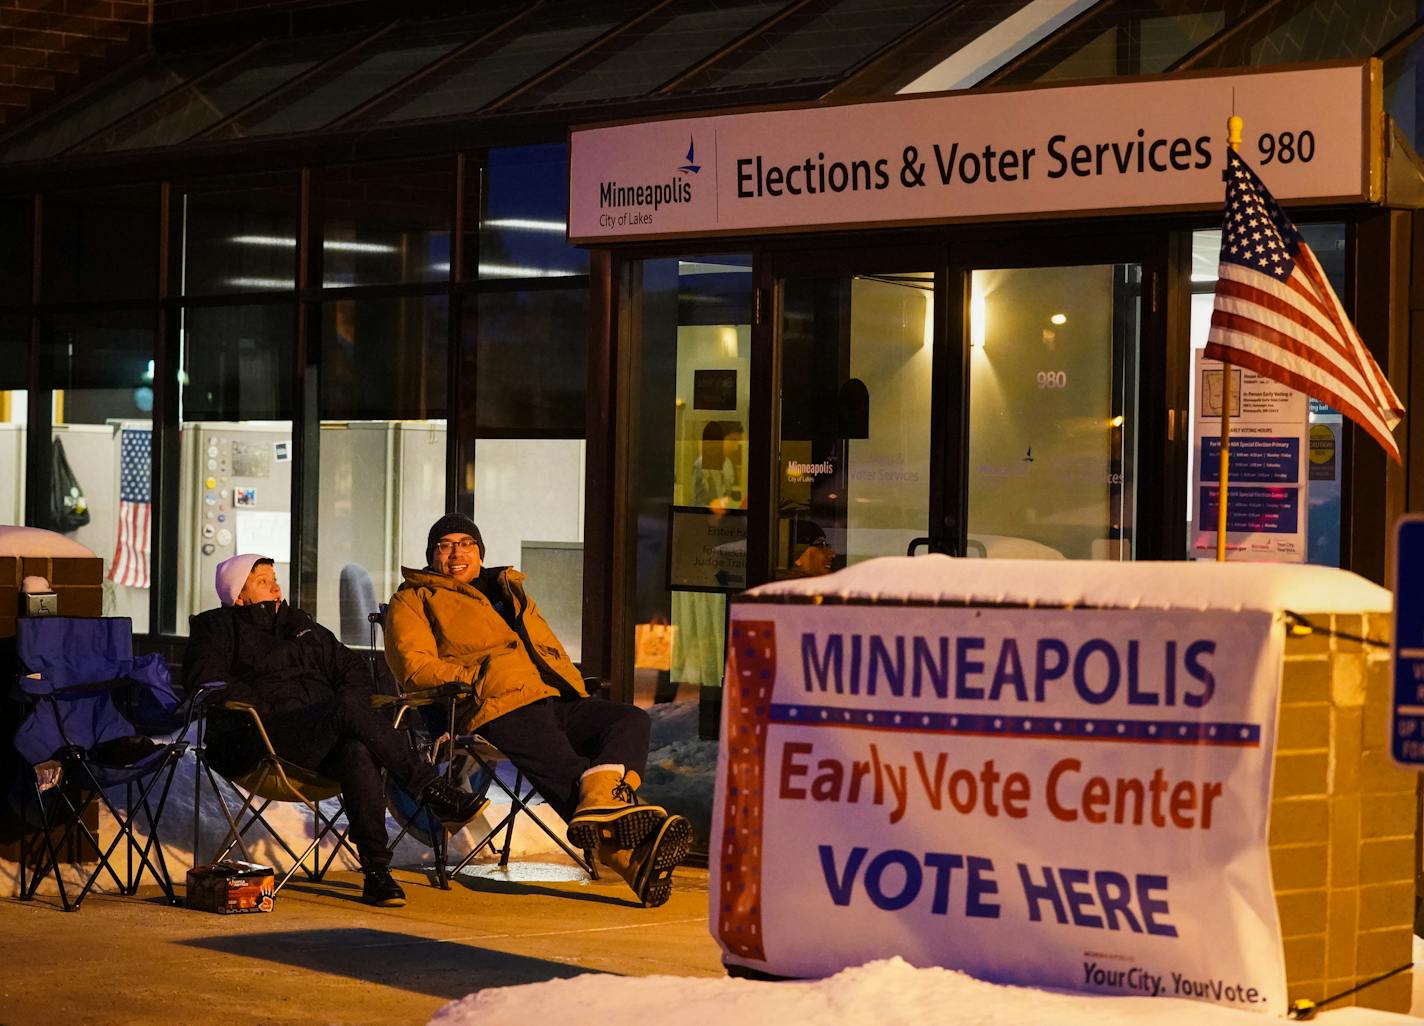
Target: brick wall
<point>1342,835</point>
<point>48,47</point>
<point>167,11</point>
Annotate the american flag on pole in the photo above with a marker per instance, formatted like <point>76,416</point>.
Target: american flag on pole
<point>1276,313</point>
<point>130,565</point>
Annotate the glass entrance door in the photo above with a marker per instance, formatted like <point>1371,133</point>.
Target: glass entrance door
<point>1053,370</point>
<point>853,457</point>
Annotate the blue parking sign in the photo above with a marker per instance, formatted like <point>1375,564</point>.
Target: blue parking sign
<point>1407,729</point>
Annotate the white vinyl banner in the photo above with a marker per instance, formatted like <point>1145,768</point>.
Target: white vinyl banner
<point>1049,797</point>
<point>1105,148</point>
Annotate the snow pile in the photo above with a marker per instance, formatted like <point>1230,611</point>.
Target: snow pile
<point>1270,587</point>
<point>884,993</point>
<point>681,770</point>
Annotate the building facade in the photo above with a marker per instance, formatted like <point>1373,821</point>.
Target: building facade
<point>297,278</point>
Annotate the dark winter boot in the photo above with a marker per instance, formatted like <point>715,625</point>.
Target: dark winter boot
<point>381,889</point>
<point>648,867</point>
<point>450,805</point>
<point>608,813</point>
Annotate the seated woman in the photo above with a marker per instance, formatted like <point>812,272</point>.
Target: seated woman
<point>314,696</point>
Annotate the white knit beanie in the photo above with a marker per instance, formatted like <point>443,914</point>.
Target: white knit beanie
<point>232,575</point>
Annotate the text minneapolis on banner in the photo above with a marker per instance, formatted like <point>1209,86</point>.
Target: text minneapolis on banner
<point>1065,798</point>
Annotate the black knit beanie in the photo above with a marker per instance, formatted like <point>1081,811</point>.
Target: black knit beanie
<point>452,523</point>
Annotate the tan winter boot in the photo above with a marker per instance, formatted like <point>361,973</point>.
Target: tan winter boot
<point>648,867</point>
<point>606,813</point>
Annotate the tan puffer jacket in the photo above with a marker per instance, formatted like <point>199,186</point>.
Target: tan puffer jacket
<point>440,630</point>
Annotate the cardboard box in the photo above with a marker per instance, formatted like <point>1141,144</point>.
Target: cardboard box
<point>231,886</point>
<point>77,581</point>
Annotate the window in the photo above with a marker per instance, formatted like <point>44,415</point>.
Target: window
<point>100,367</point>
<point>238,235</point>
<point>236,444</point>
<point>387,223</point>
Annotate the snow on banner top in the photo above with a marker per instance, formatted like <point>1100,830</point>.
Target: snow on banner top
<point>1233,587</point>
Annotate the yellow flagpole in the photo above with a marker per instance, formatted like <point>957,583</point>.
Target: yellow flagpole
<point>1234,125</point>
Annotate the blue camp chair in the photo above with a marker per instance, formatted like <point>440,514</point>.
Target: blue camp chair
<point>87,736</point>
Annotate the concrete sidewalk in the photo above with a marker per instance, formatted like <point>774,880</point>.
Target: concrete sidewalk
<point>324,957</point>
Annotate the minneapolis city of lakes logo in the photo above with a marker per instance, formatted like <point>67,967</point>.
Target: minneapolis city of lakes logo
<point>639,203</point>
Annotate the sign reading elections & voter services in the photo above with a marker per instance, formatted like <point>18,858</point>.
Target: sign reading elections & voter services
<point>1069,798</point>
<point>1104,148</point>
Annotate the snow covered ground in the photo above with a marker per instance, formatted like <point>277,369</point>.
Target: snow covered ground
<point>885,993</point>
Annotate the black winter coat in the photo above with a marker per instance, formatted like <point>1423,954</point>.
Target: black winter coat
<point>270,655</point>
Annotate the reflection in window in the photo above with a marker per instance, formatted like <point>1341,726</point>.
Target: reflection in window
<point>1324,428</point>
<point>14,364</point>
<point>654,51</point>
<point>366,73</point>
<point>488,71</point>
<point>1137,37</point>
<point>387,223</point>
<point>820,43</point>
<point>691,319</point>
<point>121,94</point>
<point>855,419</point>
<point>523,231</point>
<point>239,234</point>
<point>235,489</point>
<point>101,369</point>
<point>16,249</point>
<point>1052,399</point>
<point>209,99</point>
<point>527,469</point>
<point>382,450</point>
<point>101,244</point>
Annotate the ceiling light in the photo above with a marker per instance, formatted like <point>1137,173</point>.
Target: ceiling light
<point>1058,319</point>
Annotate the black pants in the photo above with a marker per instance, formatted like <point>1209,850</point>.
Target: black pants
<point>341,737</point>
<point>553,742</point>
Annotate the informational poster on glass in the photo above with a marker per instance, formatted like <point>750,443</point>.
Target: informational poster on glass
<point>1267,505</point>
<point>707,549</point>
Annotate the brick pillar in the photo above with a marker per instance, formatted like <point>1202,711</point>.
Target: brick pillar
<point>1342,835</point>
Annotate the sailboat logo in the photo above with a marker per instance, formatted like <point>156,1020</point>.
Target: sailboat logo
<point>690,167</point>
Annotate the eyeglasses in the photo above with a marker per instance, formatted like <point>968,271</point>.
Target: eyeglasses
<point>445,547</point>
<point>821,543</point>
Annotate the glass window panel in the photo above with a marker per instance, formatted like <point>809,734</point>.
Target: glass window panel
<point>14,364</point>
<point>821,44</point>
<point>643,58</point>
<point>387,223</point>
<point>527,473</point>
<point>1139,37</point>
<point>1314,30</point>
<point>101,244</point>
<point>235,427</point>
<point>487,72</point>
<point>1325,427</point>
<point>523,233</point>
<point>1404,92</point>
<point>855,419</point>
<point>689,322</point>
<point>1052,399</point>
<point>17,256</point>
<point>122,94</point>
<point>208,100</point>
<point>382,451</point>
<point>101,369</point>
<point>369,72</point>
<point>239,234</point>
<point>1324,31</point>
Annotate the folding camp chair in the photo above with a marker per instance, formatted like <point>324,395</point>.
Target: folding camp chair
<point>272,779</point>
<point>435,708</point>
<point>92,709</point>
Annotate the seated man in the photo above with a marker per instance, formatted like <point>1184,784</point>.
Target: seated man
<point>314,696</point>
<point>459,620</point>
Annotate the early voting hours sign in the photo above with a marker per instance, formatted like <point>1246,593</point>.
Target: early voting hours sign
<point>1069,798</point>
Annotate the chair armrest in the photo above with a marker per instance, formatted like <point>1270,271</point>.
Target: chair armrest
<point>256,717</point>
